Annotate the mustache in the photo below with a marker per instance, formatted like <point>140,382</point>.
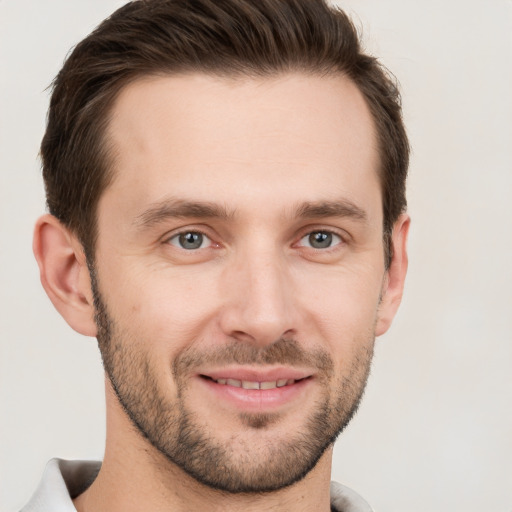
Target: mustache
<point>283,351</point>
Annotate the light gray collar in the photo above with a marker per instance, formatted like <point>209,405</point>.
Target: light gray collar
<point>62,480</point>
<point>66,479</point>
<point>344,499</point>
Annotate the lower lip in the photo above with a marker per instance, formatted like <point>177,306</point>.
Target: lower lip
<point>256,399</point>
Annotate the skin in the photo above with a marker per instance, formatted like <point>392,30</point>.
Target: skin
<point>275,160</point>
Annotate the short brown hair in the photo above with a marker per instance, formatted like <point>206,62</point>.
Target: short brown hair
<point>219,37</point>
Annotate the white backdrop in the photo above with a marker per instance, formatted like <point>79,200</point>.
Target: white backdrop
<point>434,433</point>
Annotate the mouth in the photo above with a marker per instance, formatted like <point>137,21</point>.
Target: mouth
<point>253,390</point>
<point>254,384</point>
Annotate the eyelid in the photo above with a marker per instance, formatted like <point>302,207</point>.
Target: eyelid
<point>205,240</point>
<point>334,245</point>
<point>166,239</point>
<point>341,233</point>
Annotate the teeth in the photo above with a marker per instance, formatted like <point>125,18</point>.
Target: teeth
<point>247,384</point>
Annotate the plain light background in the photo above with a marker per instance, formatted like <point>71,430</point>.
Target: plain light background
<point>434,433</point>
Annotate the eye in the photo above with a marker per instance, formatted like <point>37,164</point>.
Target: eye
<point>320,240</point>
<point>190,240</point>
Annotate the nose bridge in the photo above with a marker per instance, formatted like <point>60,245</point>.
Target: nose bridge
<point>259,303</point>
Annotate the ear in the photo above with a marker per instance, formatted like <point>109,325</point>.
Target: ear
<point>393,286</point>
<point>64,273</point>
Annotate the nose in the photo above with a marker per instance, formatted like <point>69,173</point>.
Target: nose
<point>258,303</point>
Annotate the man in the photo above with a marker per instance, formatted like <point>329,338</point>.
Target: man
<point>226,187</point>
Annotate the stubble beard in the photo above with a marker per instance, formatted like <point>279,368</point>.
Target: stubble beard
<point>190,444</point>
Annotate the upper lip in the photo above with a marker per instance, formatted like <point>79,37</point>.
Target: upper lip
<point>256,374</point>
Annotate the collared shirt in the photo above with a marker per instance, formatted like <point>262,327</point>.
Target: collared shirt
<point>65,479</point>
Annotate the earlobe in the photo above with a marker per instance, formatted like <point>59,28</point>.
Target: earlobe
<point>64,273</point>
<point>393,285</point>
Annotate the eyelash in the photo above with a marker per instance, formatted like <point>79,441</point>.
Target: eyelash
<point>186,232</point>
<point>334,239</point>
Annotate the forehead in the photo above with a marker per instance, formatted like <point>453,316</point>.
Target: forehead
<point>195,136</point>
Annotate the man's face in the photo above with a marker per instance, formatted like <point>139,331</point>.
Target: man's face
<point>239,269</point>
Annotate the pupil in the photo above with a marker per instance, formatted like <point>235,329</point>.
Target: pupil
<point>320,240</point>
<point>191,240</point>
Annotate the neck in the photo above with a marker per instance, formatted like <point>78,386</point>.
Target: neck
<point>134,476</point>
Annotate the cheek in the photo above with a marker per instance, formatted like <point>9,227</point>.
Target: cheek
<point>161,305</point>
<point>343,306</point>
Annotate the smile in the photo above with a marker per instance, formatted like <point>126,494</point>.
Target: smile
<point>253,391</point>
<point>248,384</point>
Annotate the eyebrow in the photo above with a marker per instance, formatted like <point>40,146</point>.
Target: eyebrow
<point>183,209</point>
<point>180,209</point>
<point>340,208</point>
